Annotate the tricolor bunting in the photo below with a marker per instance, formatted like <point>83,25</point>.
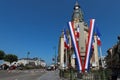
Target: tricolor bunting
<point>75,45</point>
<point>89,45</point>
<point>90,55</point>
<point>98,37</point>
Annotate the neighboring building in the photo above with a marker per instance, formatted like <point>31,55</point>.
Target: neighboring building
<point>25,61</point>
<point>34,61</point>
<point>7,63</point>
<point>113,60</point>
<point>65,56</point>
<point>102,62</point>
<point>113,57</point>
<point>42,63</point>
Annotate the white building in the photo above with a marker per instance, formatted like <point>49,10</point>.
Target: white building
<point>34,61</point>
<point>25,61</point>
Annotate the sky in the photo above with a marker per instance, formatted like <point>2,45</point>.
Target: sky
<point>35,25</point>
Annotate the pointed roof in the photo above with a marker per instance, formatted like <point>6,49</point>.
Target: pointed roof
<point>77,4</point>
<point>77,13</point>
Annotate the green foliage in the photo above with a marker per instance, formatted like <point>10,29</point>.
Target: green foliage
<point>10,58</point>
<point>2,54</point>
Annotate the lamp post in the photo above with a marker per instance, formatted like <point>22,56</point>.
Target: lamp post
<point>28,57</point>
<point>55,54</point>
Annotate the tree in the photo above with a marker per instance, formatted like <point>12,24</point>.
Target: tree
<point>2,54</point>
<point>10,58</point>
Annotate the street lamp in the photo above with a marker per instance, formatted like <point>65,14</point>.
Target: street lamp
<point>55,55</point>
<point>28,57</point>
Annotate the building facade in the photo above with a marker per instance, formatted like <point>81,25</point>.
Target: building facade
<point>66,56</point>
<point>25,61</point>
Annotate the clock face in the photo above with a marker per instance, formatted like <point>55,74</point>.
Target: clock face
<point>76,7</point>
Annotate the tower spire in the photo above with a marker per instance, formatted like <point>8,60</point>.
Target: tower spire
<point>77,13</point>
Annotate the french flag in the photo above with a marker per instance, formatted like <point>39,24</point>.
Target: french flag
<point>77,33</point>
<point>98,37</point>
<point>66,44</point>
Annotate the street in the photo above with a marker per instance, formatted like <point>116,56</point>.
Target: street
<point>50,75</point>
<point>21,74</point>
<point>29,75</point>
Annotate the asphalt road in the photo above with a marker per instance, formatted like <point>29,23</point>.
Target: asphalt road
<point>50,75</point>
<point>29,75</point>
<point>21,74</point>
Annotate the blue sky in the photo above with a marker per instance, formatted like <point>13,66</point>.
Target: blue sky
<point>35,25</point>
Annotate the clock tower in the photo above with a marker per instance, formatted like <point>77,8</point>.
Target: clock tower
<point>81,26</point>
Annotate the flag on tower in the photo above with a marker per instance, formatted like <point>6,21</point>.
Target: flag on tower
<point>98,37</point>
<point>77,33</point>
<point>66,44</point>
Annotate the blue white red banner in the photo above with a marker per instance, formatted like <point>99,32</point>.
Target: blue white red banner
<point>98,37</point>
<point>75,45</point>
<point>88,50</point>
<point>88,46</point>
<point>66,44</point>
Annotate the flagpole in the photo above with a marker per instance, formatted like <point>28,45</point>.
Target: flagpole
<point>101,56</point>
<point>66,57</point>
<point>104,77</point>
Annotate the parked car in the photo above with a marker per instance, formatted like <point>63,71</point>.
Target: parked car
<point>4,66</point>
<point>49,68</point>
<point>0,67</point>
<point>13,67</point>
<point>20,68</point>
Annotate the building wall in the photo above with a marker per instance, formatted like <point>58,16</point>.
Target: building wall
<point>78,21</point>
<point>95,58</point>
<point>61,52</point>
